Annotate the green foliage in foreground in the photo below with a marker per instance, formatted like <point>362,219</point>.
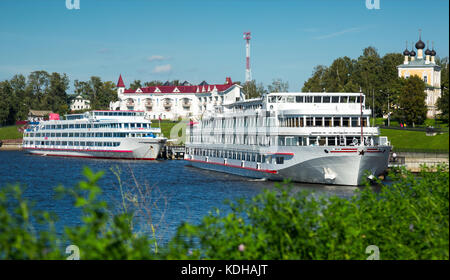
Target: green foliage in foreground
<point>406,220</point>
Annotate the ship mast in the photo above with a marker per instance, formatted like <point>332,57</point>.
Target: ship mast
<point>361,119</point>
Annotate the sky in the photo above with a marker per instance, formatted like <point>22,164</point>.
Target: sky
<point>198,40</point>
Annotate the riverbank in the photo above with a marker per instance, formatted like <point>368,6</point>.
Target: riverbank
<point>11,145</point>
<point>413,161</point>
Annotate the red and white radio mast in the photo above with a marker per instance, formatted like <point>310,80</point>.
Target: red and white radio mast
<point>248,72</point>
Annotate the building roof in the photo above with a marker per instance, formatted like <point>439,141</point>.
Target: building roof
<point>120,83</point>
<point>39,113</point>
<point>419,63</point>
<point>202,88</point>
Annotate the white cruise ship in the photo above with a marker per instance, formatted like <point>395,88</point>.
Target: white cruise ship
<point>305,137</point>
<point>96,134</point>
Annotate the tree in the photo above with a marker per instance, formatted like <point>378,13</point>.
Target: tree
<point>317,82</point>
<point>372,74</point>
<point>37,84</point>
<point>5,95</point>
<point>136,84</point>
<point>278,86</point>
<point>411,101</point>
<point>56,98</point>
<point>253,90</point>
<point>153,83</point>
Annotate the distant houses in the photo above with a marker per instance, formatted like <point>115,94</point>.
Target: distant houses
<point>38,115</point>
<point>79,103</point>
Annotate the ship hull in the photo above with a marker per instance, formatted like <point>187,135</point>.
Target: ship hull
<point>342,166</point>
<point>131,149</point>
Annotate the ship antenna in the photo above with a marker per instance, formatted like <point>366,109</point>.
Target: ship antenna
<point>361,119</point>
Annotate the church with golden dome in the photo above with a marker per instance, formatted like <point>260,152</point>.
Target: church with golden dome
<point>426,68</point>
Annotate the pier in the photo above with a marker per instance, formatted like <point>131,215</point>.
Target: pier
<point>413,160</point>
<point>172,152</point>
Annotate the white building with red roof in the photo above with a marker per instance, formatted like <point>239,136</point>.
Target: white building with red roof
<point>173,102</point>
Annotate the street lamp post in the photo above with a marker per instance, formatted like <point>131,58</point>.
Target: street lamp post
<point>389,112</point>
<point>373,107</point>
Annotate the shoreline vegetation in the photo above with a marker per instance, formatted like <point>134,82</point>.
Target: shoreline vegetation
<point>408,219</point>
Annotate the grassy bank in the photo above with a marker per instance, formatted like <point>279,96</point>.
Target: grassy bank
<point>166,126</point>
<point>10,132</point>
<point>416,139</point>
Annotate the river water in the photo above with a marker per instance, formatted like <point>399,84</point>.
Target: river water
<point>169,191</point>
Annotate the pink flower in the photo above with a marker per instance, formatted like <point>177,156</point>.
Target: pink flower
<point>242,247</point>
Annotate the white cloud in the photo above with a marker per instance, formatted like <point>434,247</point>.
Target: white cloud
<point>157,58</point>
<point>339,33</point>
<point>162,68</point>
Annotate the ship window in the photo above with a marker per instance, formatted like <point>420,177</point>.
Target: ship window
<point>319,121</point>
<point>349,141</point>
<point>352,99</point>
<point>317,99</point>
<point>290,99</point>
<point>322,141</point>
<point>280,160</point>
<point>299,99</point>
<point>345,121</point>
<point>70,143</point>
<point>336,121</point>
<point>327,121</point>
<point>326,99</point>
<point>344,99</point>
<point>335,99</point>
<point>290,141</point>
<point>126,125</point>
<point>309,121</point>
<point>308,99</point>
<point>354,121</point>
<point>313,141</point>
<point>331,141</point>
<point>58,134</point>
